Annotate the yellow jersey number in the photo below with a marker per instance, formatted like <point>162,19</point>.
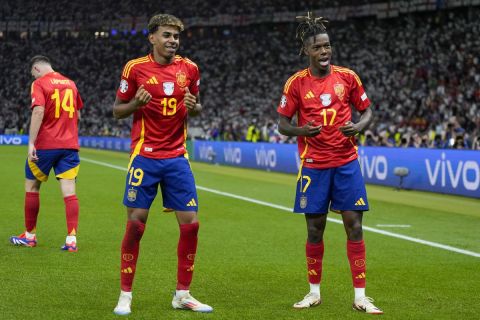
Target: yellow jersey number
<point>136,174</point>
<point>305,186</point>
<point>169,106</point>
<point>66,102</point>
<point>328,114</point>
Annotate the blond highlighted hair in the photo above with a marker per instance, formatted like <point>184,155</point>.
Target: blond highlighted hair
<point>164,20</point>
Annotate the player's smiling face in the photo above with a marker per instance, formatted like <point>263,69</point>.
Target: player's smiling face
<point>165,41</point>
<point>319,50</point>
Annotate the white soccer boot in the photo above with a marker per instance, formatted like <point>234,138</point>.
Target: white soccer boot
<point>312,299</point>
<point>365,304</point>
<point>123,307</point>
<point>187,302</point>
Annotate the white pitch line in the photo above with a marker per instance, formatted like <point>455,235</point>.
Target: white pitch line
<point>393,225</point>
<point>276,206</point>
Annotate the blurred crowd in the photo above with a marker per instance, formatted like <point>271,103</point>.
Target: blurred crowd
<point>421,71</point>
<point>92,10</point>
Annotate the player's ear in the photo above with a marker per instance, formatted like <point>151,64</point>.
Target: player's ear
<point>151,38</point>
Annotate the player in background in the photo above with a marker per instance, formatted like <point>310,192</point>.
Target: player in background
<point>329,176</point>
<point>160,90</point>
<point>53,143</point>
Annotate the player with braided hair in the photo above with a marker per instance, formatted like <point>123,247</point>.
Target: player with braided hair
<point>329,176</point>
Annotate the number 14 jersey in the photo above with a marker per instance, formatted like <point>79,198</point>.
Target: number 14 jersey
<point>60,97</point>
<point>159,128</point>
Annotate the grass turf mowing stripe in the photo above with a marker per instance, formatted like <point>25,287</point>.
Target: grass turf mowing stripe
<point>272,205</point>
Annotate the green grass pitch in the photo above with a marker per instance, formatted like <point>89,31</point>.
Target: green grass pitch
<point>250,262</point>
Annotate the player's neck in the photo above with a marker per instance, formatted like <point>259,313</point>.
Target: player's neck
<point>45,72</point>
<point>161,59</point>
<point>320,73</point>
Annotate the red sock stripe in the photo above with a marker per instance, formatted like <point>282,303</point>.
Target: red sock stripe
<point>130,251</point>
<point>32,207</point>
<point>356,258</point>
<point>72,209</point>
<point>186,251</point>
<point>314,253</point>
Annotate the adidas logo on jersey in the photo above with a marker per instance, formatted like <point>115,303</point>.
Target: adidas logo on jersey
<point>152,80</point>
<point>309,95</point>
<point>192,203</point>
<point>360,202</point>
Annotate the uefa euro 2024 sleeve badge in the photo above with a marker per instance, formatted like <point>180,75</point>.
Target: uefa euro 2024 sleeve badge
<point>132,194</point>
<point>123,86</point>
<point>303,202</point>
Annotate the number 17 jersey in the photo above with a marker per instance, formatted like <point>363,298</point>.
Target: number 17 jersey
<point>325,101</point>
<point>159,128</point>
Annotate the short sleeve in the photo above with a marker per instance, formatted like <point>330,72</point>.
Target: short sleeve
<point>288,105</point>
<point>358,96</point>
<point>195,82</point>
<point>38,95</point>
<point>79,101</point>
<point>128,86</point>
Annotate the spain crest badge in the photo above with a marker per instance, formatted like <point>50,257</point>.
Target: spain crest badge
<point>181,79</point>
<point>132,194</point>
<point>303,202</point>
<point>339,90</point>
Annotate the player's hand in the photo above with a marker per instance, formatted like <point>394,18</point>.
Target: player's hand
<point>349,129</point>
<point>189,100</point>
<point>142,97</point>
<point>32,153</point>
<point>309,130</point>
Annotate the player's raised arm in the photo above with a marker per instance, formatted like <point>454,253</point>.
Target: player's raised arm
<point>123,109</point>
<point>285,127</point>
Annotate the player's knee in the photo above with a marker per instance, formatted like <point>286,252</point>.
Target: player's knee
<point>137,214</point>
<point>32,189</point>
<point>354,232</point>
<point>315,234</point>
<point>32,186</point>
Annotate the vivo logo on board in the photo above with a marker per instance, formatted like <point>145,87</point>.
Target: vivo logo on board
<point>443,172</point>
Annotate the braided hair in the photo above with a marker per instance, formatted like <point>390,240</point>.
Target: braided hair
<point>310,25</point>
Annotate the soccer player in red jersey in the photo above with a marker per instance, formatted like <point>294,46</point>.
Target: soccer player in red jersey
<point>329,177</point>
<point>161,90</point>
<point>53,143</point>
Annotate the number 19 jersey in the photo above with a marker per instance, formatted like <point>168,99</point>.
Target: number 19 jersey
<point>325,101</point>
<point>60,97</point>
<point>159,128</point>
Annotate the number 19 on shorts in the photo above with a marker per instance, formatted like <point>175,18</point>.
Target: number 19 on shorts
<point>136,176</point>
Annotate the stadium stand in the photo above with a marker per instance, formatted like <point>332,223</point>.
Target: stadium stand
<point>421,70</point>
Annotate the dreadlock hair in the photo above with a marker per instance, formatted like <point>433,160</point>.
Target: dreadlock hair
<point>310,25</point>
<point>164,20</point>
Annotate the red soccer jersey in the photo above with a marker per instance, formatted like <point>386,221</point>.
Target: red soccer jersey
<point>159,128</point>
<point>327,102</point>
<point>60,97</point>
